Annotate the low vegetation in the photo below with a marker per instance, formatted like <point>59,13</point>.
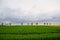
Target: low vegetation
<point>30,32</point>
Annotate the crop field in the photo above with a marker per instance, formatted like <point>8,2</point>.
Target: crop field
<point>30,32</point>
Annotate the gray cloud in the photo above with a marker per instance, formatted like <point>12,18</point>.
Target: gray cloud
<point>29,10</point>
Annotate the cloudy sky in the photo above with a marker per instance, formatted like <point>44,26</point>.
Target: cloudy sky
<point>29,10</point>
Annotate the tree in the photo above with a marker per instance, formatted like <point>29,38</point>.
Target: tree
<point>10,24</point>
<point>21,23</point>
<point>36,23</point>
<point>47,23</point>
<point>2,24</point>
<point>44,23</point>
<point>27,23</point>
<point>31,23</point>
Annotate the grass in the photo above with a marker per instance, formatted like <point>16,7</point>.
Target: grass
<point>30,32</point>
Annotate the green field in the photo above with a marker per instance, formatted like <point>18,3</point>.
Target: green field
<point>29,32</point>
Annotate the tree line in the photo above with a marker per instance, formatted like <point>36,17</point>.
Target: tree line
<point>27,23</point>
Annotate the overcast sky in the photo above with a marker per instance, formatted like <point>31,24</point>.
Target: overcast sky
<point>29,10</point>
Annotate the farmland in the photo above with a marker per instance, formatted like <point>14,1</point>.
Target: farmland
<point>30,32</point>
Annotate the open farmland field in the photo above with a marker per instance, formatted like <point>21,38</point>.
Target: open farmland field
<point>29,32</point>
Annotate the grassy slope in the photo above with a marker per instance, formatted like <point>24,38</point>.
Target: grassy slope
<point>34,32</point>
